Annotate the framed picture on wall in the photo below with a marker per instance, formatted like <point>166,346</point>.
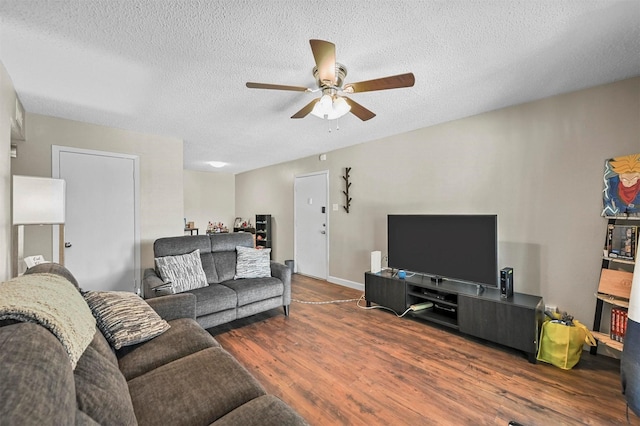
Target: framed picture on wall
<point>621,194</point>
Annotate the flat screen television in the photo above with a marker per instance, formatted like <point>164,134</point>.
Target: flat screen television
<point>456,247</point>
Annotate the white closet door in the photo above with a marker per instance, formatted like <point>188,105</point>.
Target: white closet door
<point>311,225</point>
<point>101,229</point>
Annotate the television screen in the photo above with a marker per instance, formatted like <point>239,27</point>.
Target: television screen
<point>458,247</point>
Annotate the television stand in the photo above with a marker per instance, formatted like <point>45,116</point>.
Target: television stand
<point>514,322</point>
<point>437,280</point>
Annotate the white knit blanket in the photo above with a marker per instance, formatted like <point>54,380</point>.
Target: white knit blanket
<point>53,302</point>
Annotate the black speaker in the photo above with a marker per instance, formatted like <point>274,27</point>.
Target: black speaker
<point>506,283</point>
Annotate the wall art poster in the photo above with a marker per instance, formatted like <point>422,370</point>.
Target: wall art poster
<point>622,186</point>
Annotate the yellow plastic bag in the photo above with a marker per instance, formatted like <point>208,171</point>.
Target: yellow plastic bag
<point>561,345</point>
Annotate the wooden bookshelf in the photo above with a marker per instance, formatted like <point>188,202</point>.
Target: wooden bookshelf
<point>607,341</point>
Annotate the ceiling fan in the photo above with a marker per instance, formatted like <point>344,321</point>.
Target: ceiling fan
<point>329,76</point>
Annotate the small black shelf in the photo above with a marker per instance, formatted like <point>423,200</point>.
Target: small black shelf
<point>445,305</point>
<point>264,237</point>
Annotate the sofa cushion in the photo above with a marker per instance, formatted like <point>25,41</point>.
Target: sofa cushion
<point>196,389</point>
<point>171,246</point>
<point>253,263</point>
<point>255,289</point>
<point>53,268</point>
<point>100,344</point>
<point>101,390</point>
<point>229,242</point>
<point>53,302</point>
<point>124,318</point>
<point>214,298</point>
<point>36,378</point>
<point>184,272</point>
<point>225,264</point>
<point>266,410</point>
<point>183,338</point>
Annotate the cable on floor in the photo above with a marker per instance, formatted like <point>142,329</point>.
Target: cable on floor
<point>381,307</point>
<point>327,302</point>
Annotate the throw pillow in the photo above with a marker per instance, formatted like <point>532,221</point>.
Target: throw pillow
<point>253,263</point>
<point>124,318</point>
<point>183,272</point>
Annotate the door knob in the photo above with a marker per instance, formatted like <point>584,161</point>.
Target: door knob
<point>67,244</point>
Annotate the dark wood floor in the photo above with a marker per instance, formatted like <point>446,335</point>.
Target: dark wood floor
<point>339,364</point>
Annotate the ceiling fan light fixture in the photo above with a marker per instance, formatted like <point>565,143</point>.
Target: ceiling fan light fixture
<point>341,107</point>
<point>330,108</point>
<point>217,164</point>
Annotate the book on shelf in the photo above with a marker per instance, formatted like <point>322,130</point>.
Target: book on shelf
<point>618,327</point>
<point>621,241</point>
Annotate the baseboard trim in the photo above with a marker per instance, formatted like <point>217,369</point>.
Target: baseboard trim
<point>346,283</point>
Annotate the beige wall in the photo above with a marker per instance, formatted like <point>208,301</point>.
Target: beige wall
<point>209,197</point>
<point>7,107</point>
<point>539,166</point>
<point>270,191</point>
<point>161,185</point>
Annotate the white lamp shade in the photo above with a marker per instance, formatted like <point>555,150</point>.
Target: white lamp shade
<point>38,201</point>
<point>330,108</point>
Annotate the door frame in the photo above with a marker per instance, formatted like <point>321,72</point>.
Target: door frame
<point>56,150</point>
<point>295,219</point>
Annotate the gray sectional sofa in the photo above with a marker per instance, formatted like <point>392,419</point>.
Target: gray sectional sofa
<point>180,377</point>
<point>224,299</point>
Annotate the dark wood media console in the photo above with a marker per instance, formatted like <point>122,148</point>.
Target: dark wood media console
<point>514,322</point>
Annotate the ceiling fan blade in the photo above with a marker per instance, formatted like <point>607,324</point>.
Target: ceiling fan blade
<point>358,110</point>
<point>324,53</point>
<point>392,82</point>
<point>276,87</point>
<point>306,109</point>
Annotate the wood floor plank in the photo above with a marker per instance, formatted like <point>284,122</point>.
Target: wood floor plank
<point>339,364</point>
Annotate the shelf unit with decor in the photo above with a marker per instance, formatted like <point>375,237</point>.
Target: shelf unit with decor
<point>264,234</point>
<point>616,277</point>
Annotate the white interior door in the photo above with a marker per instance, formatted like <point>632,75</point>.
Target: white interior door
<point>101,227</point>
<point>311,226</point>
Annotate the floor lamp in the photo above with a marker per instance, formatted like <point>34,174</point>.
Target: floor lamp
<point>36,201</point>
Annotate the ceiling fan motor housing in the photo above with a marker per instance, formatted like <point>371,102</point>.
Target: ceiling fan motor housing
<point>341,73</point>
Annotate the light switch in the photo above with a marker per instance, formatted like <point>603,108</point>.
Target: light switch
<point>335,207</point>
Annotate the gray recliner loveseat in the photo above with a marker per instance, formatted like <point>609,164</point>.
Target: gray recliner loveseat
<point>225,298</point>
<point>179,377</point>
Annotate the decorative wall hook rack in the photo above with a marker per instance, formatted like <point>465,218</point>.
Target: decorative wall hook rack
<point>347,184</point>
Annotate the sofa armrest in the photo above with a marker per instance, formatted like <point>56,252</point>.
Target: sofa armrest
<point>150,281</point>
<point>175,306</point>
<point>282,272</point>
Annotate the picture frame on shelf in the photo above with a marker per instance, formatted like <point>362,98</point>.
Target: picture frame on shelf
<point>622,241</point>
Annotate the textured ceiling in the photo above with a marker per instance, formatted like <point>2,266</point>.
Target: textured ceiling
<point>178,68</point>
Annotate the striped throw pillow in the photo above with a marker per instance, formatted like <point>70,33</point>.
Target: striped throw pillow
<point>183,272</point>
<point>124,318</point>
<point>253,263</point>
